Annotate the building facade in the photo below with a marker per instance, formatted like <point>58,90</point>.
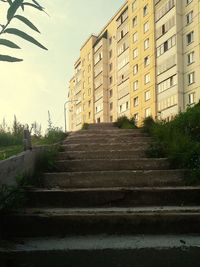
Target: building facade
<point>144,62</point>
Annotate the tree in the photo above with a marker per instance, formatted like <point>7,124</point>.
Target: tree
<point>13,7</point>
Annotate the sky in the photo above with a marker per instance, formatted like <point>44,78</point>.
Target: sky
<point>31,88</point>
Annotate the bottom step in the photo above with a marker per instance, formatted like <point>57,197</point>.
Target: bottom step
<point>102,250</point>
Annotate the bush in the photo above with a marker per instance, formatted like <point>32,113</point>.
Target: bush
<point>179,141</point>
<point>11,197</point>
<point>53,136</point>
<point>125,123</point>
<point>85,126</point>
<point>148,123</point>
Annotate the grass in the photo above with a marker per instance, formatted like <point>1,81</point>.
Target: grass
<point>8,151</point>
<point>179,141</point>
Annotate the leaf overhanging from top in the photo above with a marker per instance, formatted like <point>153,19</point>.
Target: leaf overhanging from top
<point>24,36</point>
<point>33,5</point>
<point>13,8</point>
<point>9,58</point>
<point>27,22</point>
<point>8,43</point>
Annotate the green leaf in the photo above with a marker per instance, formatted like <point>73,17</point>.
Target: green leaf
<point>13,8</point>
<point>10,2</point>
<point>9,58</point>
<point>24,36</point>
<point>27,22</point>
<point>35,6</point>
<point>8,43</point>
<point>37,3</point>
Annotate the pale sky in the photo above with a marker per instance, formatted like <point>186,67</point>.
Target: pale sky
<point>30,88</point>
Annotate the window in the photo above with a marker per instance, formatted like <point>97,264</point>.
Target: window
<point>164,9</point>
<point>111,105</point>
<point>134,5</point>
<point>135,37</point>
<point>167,84</point>
<point>190,58</point>
<point>147,112</point>
<point>111,118</point>
<point>89,68</point>
<point>146,26</point>
<point>136,101</point>
<point>134,22</point>
<point>111,80</point>
<point>110,54</point>
<point>127,105</point>
<point>147,95</point>
<point>89,56</point>
<point>135,85</point>
<point>89,115</point>
<point>135,69</point>
<point>146,44</point>
<point>146,61</point>
<point>191,98</point>
<point>110,66</point>
<point>89,103</point>
<point>89,91</point>
<point>110,40</point>
<point>191,78</point>
<point>189,17</point>
<point>136,117</point>
<point>145,10</point>
<point>83,96</point>
<point>135,53</point>
<point>111,93</point>
<point>165,27</point>
<point>166,46</point>
<point>89,80</point>
<point>147,78</point>
<point>190,37</point>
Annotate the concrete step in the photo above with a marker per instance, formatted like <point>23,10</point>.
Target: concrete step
<point>83,221</point>
<point>112,164</point>
<point>114,179</point>
<point>103,250</point>
<point>111,131</point>
<point>114,197</point>
<point>119,134</point>
<point>102,154</point>
<point>105,125</point>
<point>105,140</point>
<point>109,146</point>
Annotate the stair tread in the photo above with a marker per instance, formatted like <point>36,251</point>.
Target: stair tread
<point>109,211</point>
<point>99,242</point>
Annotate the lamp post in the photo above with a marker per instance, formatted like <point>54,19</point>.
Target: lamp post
<point>65,112</point>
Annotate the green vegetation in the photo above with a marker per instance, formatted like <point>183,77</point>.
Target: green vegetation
<point>178,140</point>
<point>11,197</point>
<point>11,139</point>
<point>12,8</point>
<point>85,126</point>
<point>125,123</point>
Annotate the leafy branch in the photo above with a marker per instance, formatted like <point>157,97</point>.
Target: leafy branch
<point>13,7</point>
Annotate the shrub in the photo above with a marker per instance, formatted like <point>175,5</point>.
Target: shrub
<point>179,141</point>
<point>125,123</point>
<point>11,197</point>
<point>85,126</point>
<point>148,124</point>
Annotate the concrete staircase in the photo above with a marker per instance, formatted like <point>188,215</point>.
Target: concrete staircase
<point>107,205</point>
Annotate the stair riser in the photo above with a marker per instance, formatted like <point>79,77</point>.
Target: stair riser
<point>60,225</point>
<point>109,165</point>
<point>101,155</point>
<point>113,179</point>
<point>106,135</point>
<point>114,198</point>
<point>105,140</point>
<point>114,146</point>
<point>105,131</point>
<point>145,257</point>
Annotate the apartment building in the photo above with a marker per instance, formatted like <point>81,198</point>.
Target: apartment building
<point>177,55</point>
<point>144,62</point>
